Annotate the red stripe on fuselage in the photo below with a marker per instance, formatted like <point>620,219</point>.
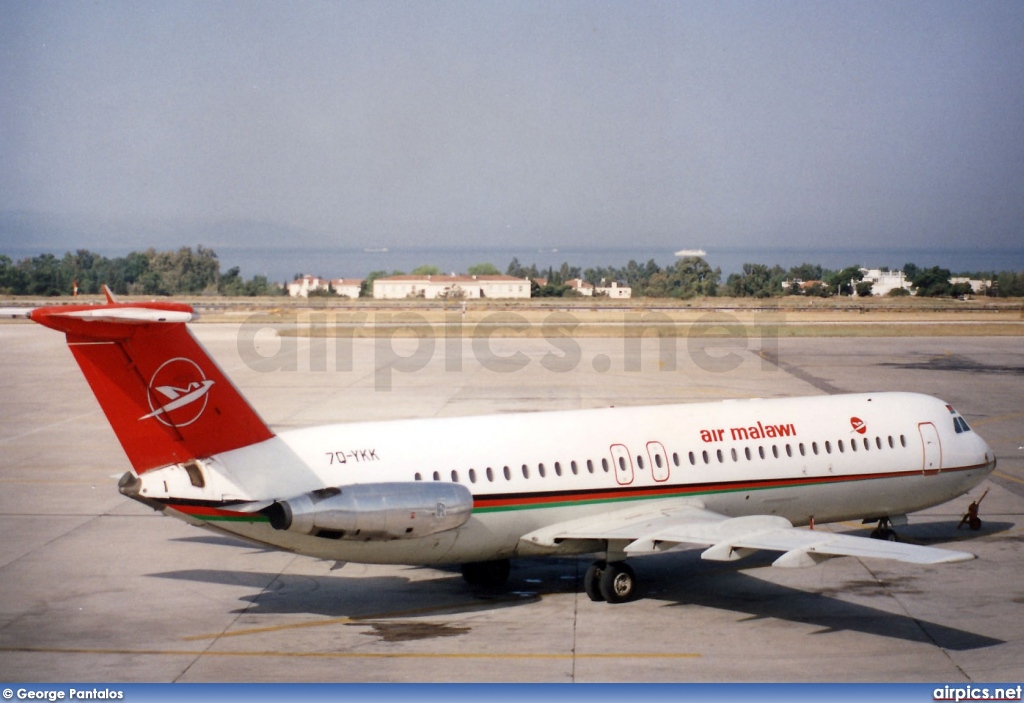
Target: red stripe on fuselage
<point>510,500</point>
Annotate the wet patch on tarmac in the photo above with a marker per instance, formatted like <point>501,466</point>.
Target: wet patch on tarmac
<point>871,587</point>
<point>409,631</point>
<point>954,362</point>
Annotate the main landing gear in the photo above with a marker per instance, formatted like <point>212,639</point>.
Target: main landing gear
<point>613,582</point>
<point>884,531</point>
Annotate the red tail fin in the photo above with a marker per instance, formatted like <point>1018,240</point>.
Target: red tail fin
<point>165,398</point>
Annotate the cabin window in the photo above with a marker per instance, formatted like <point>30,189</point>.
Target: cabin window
<point>639,462</point>
<point>508,473</point>
<point>472,475</point>
<point>853,444</point>
<point>867,444</point>
<point>878,442</point>
<point>418,476</point>
<point>437,476</point>
<point>604,465</point>
<point>526,471</point>
<point>746,453</point>
<point>693,459</point>
<point>775,451</point>
<point>789,450</point>
<point>575,469</point>
<point>590,466</point>
<point>657,460</point>
<point>803,451</point>
<point>735,457</point>
<point>903,440</point>
<point>541,471</point>
<point>760,452</point>
<point>704,454</point>
<point>490,474</point>
<point>718,453</point>
<point>675,458</point>
<point>622,463</point>
<point>814,447</point>
<point>455,476</point>
<point>840,444</point>
<point>828,447</point>
<point>558,469</point>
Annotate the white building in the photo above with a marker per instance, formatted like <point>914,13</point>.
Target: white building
<point>978,286</point>
<point>306,285</point>
<point>458,287</point>
<point>884,281</point>
<point>589,289</point>
<point>348,287</point>
<point>614,290</point>
<point>581,286</point>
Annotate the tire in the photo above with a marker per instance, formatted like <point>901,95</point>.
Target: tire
<point>974,523</point>
<point>592,581</point>
<point>618,582</point>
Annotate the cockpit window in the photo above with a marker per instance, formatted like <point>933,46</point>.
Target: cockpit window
<point>959,424</point>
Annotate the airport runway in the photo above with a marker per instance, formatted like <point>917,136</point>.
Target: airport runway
<point>95,587</point>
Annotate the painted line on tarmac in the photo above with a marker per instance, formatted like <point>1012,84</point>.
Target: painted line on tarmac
<point>1007,477</point>
<point>351,655</point>
<point>996,418</point>
<point>44,428</point>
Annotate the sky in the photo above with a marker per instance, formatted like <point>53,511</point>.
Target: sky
<point>436,123</point>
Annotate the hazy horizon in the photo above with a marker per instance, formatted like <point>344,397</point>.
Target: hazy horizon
<point>441,124</point>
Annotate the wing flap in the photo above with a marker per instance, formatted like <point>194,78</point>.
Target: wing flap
<point>650,528</point>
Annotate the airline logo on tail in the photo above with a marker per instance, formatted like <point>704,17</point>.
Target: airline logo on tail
<point>178,393</point>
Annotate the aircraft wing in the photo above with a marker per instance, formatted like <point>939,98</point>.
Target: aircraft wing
<point>666,524</point>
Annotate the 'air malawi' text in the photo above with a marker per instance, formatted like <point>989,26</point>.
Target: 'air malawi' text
<point>758,431</point>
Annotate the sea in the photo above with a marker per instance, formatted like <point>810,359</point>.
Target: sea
<point>283,263</point>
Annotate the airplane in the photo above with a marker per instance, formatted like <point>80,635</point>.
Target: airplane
<point>730,477</point>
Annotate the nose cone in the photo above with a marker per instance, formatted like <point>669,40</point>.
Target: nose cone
<point>988,457</point>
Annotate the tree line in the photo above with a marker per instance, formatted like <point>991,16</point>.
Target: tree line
<point>151,272</point>
<point>693,277</point>
<point>197,272</point>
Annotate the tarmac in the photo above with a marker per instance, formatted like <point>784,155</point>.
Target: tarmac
<point>96,587</point>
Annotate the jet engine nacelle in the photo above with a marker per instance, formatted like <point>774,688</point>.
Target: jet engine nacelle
<point>374,511</point>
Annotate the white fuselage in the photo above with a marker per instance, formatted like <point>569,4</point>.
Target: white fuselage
<point>822,458</point>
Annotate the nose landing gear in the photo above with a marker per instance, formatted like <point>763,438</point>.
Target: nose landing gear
<point>971,518</point>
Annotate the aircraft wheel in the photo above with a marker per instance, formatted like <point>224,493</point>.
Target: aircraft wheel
<point>488,574</point>
<point>592,581</point>
<point>618,582</point>
<point>974,523</point>
<point>885,534</point>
